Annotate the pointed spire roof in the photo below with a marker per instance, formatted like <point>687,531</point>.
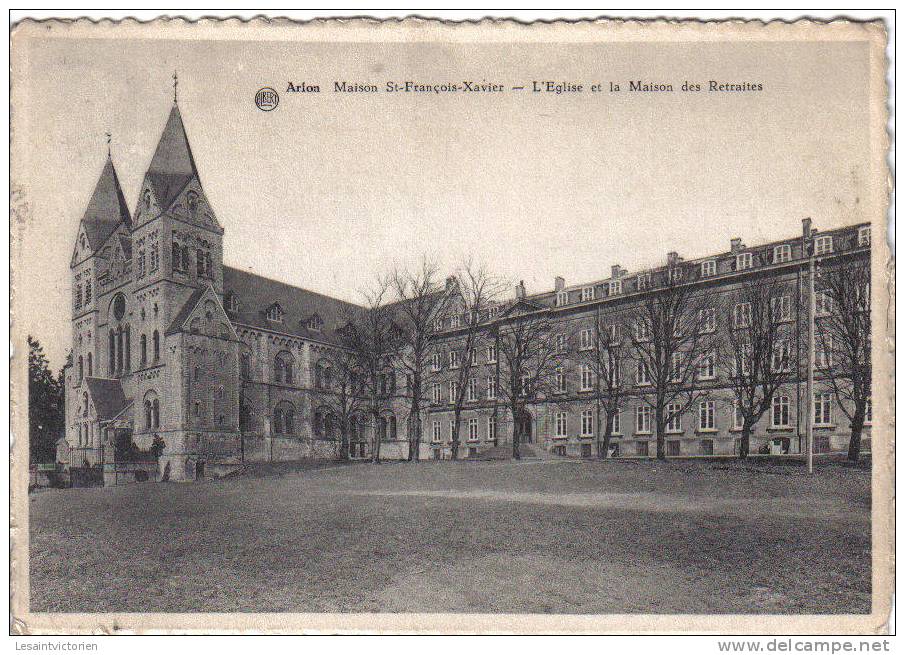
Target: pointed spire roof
<point>173,166</point>
<point>107,207</point>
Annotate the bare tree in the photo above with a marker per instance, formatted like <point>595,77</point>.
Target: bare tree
<point>755,349</point>
<point>528,356</point>
<point>603,358</point>
<point>843,340</point>
<point>668,342</point>
<point>338,376</point>
<point>474,291</point>
<point>372,337</point>
<point>420,299</point>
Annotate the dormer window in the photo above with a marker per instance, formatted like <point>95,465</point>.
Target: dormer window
<point>191,200</point>
<point>438,325</point>
<point>275,313</point>
<point>562,298</point>
<point>643,281</point>
<point>744,261</point>
<point>675,274</point>
<point>587,293</point>
<point>615,287</point>
<point>823,245</point>
<point>454,321</point>
<point>315,323</point>
<point>708,268</point>
<point>232,304</point>
<point>782,253</point>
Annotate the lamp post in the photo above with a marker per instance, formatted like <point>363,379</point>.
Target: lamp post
<point>810,384</point>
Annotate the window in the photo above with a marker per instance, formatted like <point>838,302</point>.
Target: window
<point>454,321</point>
<point>435,362</point>
<point>587,423</point>
<point>584,340</point>
<point>491,354</point>
<point>438,325</point>
<point>90,365</point>
<point>453,392</point>
<point>587,377</point>
<point>742,315</point>
<point>707,447</point>
<point>613,334</point>
<point>676,274</point>
<point>435,393</point>
<point>707,366</point>
<point>743,359</point>
<point>823,409</point>
<point>246,366</point>
<point>435,435</point>
<point>472,390</point>
<point>642,419</point>
<point>823,355</point>
<point>643,281</point>
<point>615,287</point>
<point>642,331</point>
<point>472,429</point>
<point>781,356</point>
<point>707,320</point>
<point>560,381</point>
<point>614,373</point>
<point>491,388</point>
<point>282,370</point>
<point>708,268</point>
<point>864,236</point>
<point>641,373</point>
<point>780,414</point>
<point>275,314</point>
<point>561,343</point>
<point>823,245</point>
<point>675,372</point>
<point>616,423</point>
<point>144,349</point>
<point>525,385</point>
<point>560,425</point>
<point>738,418</point>
<point>673,448</point>
<point>474,356</point>
<point>562,298</point>
<point>587,293</point>
<point>781,308</point>
<point>452,429</point>
<point>782,253</point>
<point>868,410</point>
<point>491,427</point>
<point>823,303</point>
<point>155,256</point>
<point>706,418</point>
<point>81,369</point>
<point>743,261</point>
<point>87,292</point>
<point>78,296</point>
<point>141,263</point>
<point>674,417</point>
<point>453,357</point>
<point>643,448</point>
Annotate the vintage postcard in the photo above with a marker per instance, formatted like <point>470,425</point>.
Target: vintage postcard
<point>414,326</point>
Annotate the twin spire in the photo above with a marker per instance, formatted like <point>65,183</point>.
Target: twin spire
<point>171,170</point>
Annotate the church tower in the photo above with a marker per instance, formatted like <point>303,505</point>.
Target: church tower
<point>101,264</point>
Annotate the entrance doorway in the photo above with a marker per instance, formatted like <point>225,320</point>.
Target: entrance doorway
<point>525,428</point>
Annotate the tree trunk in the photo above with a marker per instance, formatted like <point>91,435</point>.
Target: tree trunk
<point>414,431</point>
<point>607,434</point>
<point>661,433</point>
<point>375,452</point>
<point>745,442</point>
<point>854,443</point>
<point>516,437</point>
<point>454,448</point>
<point>601,446</point>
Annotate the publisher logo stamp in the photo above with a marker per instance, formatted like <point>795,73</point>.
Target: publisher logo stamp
<point>267,99</point>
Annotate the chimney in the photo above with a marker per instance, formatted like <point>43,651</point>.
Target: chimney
<point>520,290</point>
<point>672,258</point>
<point>559,283</point>
<point>616,271</point>
<point>450,282</point>
<point>806,227</point>
<point>737,245</point>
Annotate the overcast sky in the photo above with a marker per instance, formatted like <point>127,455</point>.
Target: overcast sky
<point>328,190</point>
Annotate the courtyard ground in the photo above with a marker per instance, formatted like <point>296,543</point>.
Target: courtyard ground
<point>535,536</point>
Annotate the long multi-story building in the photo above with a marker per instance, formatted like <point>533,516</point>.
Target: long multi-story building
<point>205,365</point>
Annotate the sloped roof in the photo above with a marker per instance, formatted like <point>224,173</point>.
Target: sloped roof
<point>173,165</point>
<point>107,395</point>
<point>256,293</point>
<point>107,207</point>
<point>187,308</point>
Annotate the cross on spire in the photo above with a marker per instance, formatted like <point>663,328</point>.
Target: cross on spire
<point>109,137</point>
<point>175,85</point>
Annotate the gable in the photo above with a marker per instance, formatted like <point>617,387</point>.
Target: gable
<point>203,314</point>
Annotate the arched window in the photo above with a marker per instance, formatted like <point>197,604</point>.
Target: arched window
<point>323,375</point>
<point>191,199</point>
<point>128,348</point>
<point>289,420</point>
<point>81,369</point>
<point>177,257</point>
<point>112,369</point>
<point>207,265</point>
<point>185,258</point>
<point>149,421</point>
<point>246,366</point>
<point>119,350</point>
<point>85,403</point>
<point>156,345</point>
<point>282,367</point>
<point>318,423</point>
<point>147,198</point>
<point>90,366</point>
<point>155,411</point>
<point>382,428</point>
<point>144,349</point>
<point>392,428</point>
<point>200,262</point>
<point>152,410</point>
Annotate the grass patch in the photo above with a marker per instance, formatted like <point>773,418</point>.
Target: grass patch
<point>537,537</point>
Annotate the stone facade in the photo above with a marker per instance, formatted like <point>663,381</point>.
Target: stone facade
<point>214,366</point>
